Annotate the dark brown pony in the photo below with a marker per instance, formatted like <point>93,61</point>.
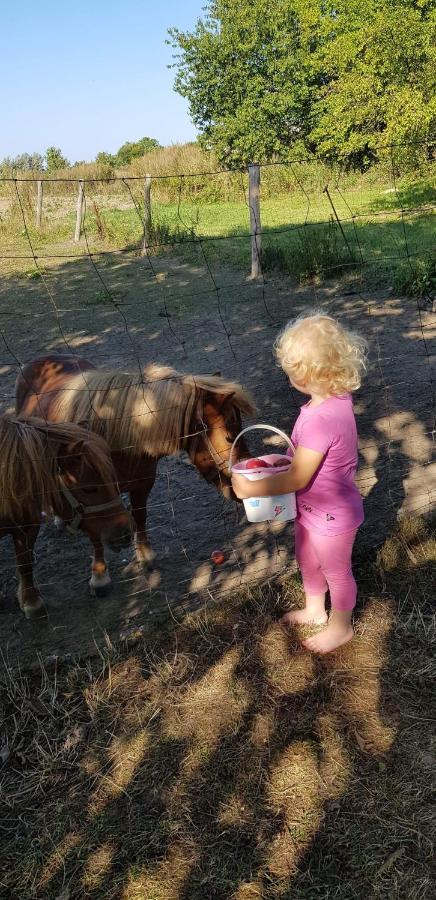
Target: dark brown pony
<point>143,417</point>
<point>62,468</point>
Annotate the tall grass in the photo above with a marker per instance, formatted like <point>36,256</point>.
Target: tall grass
<point>187,168</point>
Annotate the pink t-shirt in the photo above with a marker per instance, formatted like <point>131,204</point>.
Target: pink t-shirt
<point>331,503</point>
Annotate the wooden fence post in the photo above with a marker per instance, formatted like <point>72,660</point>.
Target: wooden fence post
<point>255,224</point>
<point>147,215</point>
<point>79,213</point>
<point>39,203</point>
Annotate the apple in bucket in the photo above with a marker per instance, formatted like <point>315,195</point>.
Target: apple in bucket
<point>256,464</point>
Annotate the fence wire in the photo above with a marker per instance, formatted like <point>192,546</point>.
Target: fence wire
<point>182,296</point>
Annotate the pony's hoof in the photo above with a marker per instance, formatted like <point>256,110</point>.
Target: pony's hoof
<point>35,612</point>
<point>100,585</point>
<point>145,556</point>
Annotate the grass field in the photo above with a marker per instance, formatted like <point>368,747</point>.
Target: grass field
<point>386,234</point>
<point>213,758</point>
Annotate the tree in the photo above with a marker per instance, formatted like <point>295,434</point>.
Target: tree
<point>25,162</point>
<point>105,159</point>
<point>55,160</point>
<point>263,77</point>
<point>131,150</point>
<point>248,75</point>
<point>378,62</point>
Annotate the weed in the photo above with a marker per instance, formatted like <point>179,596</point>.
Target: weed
<point>417,279</point>
<point>311,252</point>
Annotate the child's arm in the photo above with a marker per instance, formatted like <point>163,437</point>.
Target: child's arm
<point>303,467</point>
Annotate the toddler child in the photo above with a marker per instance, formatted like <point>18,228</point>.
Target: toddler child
<point>324,360</point>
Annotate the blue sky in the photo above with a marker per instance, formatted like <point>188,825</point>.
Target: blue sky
<point>87,76</point>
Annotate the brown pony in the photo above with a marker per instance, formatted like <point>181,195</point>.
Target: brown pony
<point>143,417</point>
<point>62,468</point>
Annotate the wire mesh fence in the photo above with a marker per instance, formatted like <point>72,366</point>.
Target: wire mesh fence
<point>174,288</point>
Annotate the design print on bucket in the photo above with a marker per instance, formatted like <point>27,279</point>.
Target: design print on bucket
<point>278,509</point>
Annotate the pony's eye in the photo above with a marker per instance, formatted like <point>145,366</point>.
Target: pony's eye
<point>89,490</point>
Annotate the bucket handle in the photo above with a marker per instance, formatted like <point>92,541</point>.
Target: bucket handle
<point>259,428</point>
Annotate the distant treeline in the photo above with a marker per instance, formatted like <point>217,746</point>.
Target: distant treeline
<point>53,160</point>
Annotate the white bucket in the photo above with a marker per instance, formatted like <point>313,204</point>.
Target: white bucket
<point>281,508</point>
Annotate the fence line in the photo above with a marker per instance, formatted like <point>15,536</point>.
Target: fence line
<point>228,327</point>
<point>252,197</point>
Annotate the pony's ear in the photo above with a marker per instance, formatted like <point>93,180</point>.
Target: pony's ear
<point>71,458</point>
<point>216,374</point>
<point>221,399</point>
<point>84,423</point>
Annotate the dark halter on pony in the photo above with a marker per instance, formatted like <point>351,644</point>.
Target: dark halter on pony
<point>79,510</point>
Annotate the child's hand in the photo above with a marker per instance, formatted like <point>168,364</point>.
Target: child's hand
<point>241,486</point>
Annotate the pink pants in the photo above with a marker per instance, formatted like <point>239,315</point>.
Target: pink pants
<point>325,563</point>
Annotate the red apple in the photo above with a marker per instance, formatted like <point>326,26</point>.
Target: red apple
<point>283,461</point>
<point>217,557</point>
<point>256,464</point>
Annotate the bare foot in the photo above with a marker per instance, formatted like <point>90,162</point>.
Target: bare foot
<point>304,617</point>
<point>330,639</point>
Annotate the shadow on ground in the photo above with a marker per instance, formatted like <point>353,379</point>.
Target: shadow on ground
<point>125,311</point>
<point>220,760</point>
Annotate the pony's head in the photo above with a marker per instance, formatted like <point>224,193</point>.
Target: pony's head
<point>88,497</point>
<point>215,424</point>
<point>65,468</point>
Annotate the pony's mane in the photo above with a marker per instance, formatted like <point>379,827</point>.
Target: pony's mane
<point>148,414</point>
<point>29,463</point>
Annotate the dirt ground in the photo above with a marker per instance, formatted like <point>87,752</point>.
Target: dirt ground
<point>125,311</point>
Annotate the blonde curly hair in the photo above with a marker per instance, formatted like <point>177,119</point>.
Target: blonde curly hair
<point>316,350</point>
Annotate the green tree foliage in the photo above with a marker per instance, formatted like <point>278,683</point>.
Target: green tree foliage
<point>55,160</point>
<point>105,159</point>
<point>127,153</point>
<point>379,67</point>
<point>25,162</point>
<point>132,149</point>
<point>266,77</point>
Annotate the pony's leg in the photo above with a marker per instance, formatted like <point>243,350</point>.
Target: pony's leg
<point>100,582</point>
<point>28,597</point>
<point>138,498</point>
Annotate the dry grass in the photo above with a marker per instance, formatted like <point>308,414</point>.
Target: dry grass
<point>216,759</point>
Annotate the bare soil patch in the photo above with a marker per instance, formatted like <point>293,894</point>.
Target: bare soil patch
<point>125,312</point>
